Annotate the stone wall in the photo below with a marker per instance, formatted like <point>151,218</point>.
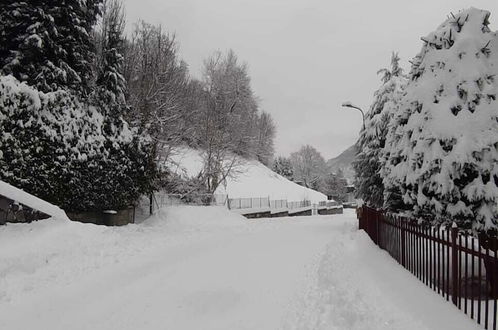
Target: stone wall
<point>115,218</point>
<point>257,215</point>
<point>280,214</point>
<point>338,210</point>
<point>301,213</point>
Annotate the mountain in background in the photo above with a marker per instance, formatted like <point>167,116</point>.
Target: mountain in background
<point>343,162</point>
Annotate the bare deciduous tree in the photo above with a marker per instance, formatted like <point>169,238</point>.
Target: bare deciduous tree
<point>309,167</point>
<point>227,94</point>
<point>158,87</point>
<point>265,134</point>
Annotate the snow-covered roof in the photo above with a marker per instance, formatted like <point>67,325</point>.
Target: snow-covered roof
<point>31,201</point>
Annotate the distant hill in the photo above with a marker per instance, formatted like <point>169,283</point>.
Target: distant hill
<point>343,162</point>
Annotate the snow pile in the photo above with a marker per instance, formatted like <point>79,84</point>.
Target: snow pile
<point>35,255</point>
<point>443,141</point>
<point>251,179</point>
<point>357,286</point>
<point>256,180</point>
<point>195,218</point>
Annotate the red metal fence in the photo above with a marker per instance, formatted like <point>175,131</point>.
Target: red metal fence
<point>457,266</point>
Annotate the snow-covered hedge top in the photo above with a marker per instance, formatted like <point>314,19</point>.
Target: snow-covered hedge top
<point>68,150</point>
<point>443,141</point>
<point>59,115</point>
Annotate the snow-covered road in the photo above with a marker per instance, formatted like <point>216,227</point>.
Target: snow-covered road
<point>203,268</point>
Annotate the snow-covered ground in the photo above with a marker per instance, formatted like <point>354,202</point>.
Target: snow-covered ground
<point>206,268</point>
<point>251,179</point>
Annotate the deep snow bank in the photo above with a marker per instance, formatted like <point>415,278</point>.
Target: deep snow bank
<point>37,255</point>
<point>252,179</point>
<point>195,218</point>
<point>357,286</point>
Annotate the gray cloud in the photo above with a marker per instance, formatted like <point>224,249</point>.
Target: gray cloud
<point>305,57</point>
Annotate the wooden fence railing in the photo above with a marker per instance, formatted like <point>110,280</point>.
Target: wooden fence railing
<point>460,267</point>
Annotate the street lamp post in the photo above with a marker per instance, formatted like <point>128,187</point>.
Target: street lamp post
<point>350,105</point>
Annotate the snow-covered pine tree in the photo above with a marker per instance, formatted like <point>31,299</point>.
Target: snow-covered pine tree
<point>47,43</point>
<point>368,162</point>
<point>335,185</point>
<point>110,80</point>
<point>128,168</point>
<point>66,146</point>
<point>443,142</point>
<point>56,147</point>
<point>283,166</point>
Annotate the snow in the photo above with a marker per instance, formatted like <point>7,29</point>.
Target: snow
<point>257,180</point>
<point>47,135</point>
<point>207,268</point>
<point>444,134</point>
<point>185,161</point>
<point>252,179</point>
<point>31,201</point>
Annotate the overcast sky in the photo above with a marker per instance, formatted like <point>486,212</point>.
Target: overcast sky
<point>305,57</point>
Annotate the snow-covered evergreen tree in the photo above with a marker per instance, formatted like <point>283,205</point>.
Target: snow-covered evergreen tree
<point>47,43</point>
<point>110,78</point>
<point>335,185</point>
<point>60,139</point>
<point>368,162</point>
<point>56,147</point>
<point>283,166</point>
<point>443,142</point>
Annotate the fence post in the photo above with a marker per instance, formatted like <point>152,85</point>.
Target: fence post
<point>361,217</point>
<point>367,217</point>
<point>403,239</point>
<point>377,218</point>
<point>151,203</point>
<point>369,223</point>
<point>380,223</point>
<point>454,264</point>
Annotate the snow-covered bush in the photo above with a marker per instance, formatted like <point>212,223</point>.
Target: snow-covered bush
<point>443,140</point>
<point>368,164</point>
<point>283,166</point>
<point>48,43</point>
<point>66,152</point>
